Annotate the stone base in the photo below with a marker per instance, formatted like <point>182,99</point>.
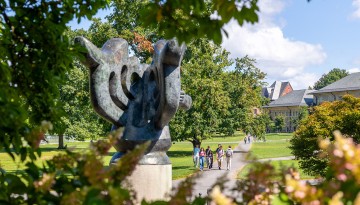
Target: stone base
<point>151,182</point>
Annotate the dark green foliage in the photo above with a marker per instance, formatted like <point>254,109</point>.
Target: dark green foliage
<point>182,20</point>
<point>125,19</point>
<point>80,121</point>
<point>73,178</point>
<point>279,123</point>
<point>202,73</point>
<point>303,114</point>
<point>35,55</point>
<point>326,118</point>
<point>196,19</point>
<point>243,86</point>
<point>258,125</point>
<point>221,99</point>
<point>332,76</point>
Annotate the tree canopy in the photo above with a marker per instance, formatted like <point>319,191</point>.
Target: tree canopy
<point>329,116</point>
<point>330,77</point>
<point>183,20</point>
<point>221,102</point>
<point>197,19</point>
<point>79,120</point>
<point>35,55</point>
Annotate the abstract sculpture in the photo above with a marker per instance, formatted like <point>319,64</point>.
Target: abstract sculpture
<point>141,98</point>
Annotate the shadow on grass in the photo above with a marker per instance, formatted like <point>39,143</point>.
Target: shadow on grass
<point>241,151</point>
<point>183,167</point>
<point>179,153</point>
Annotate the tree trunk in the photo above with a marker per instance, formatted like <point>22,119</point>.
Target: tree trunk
<point>61,141</point>
<point>195,142</point>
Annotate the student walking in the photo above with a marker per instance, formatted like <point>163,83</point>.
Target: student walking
<point>209,157</point>
<point>229,154</point>
<point>196,152</point>
<point>202,156</point>
<point>220,156</point>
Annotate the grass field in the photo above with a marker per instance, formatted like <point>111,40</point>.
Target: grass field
<point>180,154</point>
<point>279,165</point>
<point>276,145</point>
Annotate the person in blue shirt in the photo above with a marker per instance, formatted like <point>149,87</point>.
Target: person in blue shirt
<point>196,155</point>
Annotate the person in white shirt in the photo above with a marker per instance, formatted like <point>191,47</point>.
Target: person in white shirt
<point>229,154</point>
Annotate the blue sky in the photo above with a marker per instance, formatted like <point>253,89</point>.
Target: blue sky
<point>295,40</point>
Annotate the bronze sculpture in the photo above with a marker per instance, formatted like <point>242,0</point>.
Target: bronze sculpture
<point>141,98</point>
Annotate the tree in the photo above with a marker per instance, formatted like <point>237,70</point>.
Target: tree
<point>220,98</point>
<point>197,19</point>
<point>183,20</point>
<point>125,19</point>
<point>259,125</point>
<point>332,76</point>
<point>279,122</point>
<point>303,114</point>
<point>35,57</point>
<point>242,84</point>
<point>78,122</point>
<point>202,73</point>
<point>329,116</point>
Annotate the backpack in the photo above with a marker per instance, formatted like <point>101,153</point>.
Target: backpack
<point>228,153</point>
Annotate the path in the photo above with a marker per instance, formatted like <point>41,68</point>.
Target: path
<point>208,177</point>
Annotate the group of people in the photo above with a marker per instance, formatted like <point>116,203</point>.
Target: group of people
<point>202,156</point>
<point>247,139</point>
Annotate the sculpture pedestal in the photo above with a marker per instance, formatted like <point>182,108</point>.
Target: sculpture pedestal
<point>151,182</point>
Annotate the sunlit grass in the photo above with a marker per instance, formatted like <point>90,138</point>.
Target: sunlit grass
<point>180,154</point>
<point>278,165</point>
<point>270,149</point>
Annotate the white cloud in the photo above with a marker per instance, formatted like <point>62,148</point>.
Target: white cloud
<point>356,4</point>
<point>280,57</point>
<point>304,80</point>
<point>353,70</point>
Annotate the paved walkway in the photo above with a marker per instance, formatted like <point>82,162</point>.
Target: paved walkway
<point>208,177</point>
<point>276,159</point>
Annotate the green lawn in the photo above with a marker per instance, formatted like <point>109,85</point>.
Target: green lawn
<point>279,165</point>
<point>278,136</point>
<point>276,145</point>
<point>180,154</point>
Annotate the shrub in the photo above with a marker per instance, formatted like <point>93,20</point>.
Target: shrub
<point>339,115</point>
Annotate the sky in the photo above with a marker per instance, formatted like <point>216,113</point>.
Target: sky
<point>295,40</point>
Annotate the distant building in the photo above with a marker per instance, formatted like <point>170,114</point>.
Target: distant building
<point>347,85</point>
<point>289,106</point>
<point>276,90</point>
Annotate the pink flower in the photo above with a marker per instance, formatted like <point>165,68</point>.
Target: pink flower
<point>341,177</point>
<point>349,166</point>
<point>338,153</point>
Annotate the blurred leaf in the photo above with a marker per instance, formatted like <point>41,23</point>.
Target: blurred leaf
<point>15,185</point>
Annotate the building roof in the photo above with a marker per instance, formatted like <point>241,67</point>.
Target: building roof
<point>350,82</point>
<point>275,90</point>
<point>283,86</point>
<point>294,98</point>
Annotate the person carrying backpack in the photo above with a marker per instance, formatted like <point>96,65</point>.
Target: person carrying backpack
<point>229,153</point>
<point>219,156</point>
